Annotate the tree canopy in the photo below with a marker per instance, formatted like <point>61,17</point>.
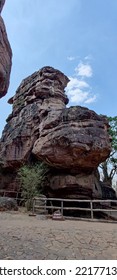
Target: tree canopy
<point>109,167</point>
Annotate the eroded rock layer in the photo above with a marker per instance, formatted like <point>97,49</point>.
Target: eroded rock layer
<point>73,141</point>
<point>41,92</point>
<point>75,138</point>
<point>5,56</point>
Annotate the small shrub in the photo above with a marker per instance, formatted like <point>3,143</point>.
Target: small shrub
<point>32,178</point>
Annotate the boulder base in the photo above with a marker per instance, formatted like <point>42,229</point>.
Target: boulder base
<point>7,203</point>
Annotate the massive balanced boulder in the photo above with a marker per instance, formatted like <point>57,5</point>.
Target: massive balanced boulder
<point>5,56</point>
<point>73,141</point>
<point>74,138</point>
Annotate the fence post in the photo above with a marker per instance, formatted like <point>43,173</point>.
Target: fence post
<point>91,205</point>
<point>62,207</point>
<point>33,205</point>
<point>45,204</point>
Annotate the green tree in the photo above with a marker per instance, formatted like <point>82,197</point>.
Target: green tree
<point>109,167</point>
<point>32,178</point>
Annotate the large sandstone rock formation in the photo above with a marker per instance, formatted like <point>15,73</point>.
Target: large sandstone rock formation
<point>5,56</point>
<point>42,91</point>
<point>73,141</point>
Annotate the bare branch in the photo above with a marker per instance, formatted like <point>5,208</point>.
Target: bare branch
<point>113,171</point>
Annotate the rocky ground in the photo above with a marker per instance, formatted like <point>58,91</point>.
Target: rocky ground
<point>27,237</point>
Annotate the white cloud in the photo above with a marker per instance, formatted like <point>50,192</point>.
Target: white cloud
<point>78,96</point>
<point>91,99</point>
<point>88,57</point>
<point>84,70</point>
<point>78,89</point>
<point>76,83</point>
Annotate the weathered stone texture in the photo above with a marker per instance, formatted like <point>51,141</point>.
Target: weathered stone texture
<point>73,141</point>
<point>5,57</point>
<point>35,97</point>
<point>82,185</point>
<point>7,203</point>
<point>71,137</point>
<point>2,2</point>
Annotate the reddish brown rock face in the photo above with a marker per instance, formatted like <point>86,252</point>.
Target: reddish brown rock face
<point>39,93</point>
<point>5,56</point>
<point>73,138</point>
<point>73,141</point>
<point>2,2</point>
<point>82,185</point>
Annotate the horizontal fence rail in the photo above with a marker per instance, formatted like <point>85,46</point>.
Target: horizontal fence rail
<point>12,194</point>
<point>40,203</point>
<point>4,192</point>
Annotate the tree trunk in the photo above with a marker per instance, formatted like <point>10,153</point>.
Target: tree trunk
<point>107,179</point>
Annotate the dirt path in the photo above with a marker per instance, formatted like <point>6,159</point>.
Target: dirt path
<point>25,237</point>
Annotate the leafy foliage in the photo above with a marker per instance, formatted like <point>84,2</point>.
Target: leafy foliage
<point>109,167</point>
<point>113,131</point>
<point>32,178</point>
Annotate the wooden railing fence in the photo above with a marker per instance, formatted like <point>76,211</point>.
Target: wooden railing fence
<point>106,205</point>
<point>41,203</point>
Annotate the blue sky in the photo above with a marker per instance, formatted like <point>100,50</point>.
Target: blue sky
<point>78,37</point>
